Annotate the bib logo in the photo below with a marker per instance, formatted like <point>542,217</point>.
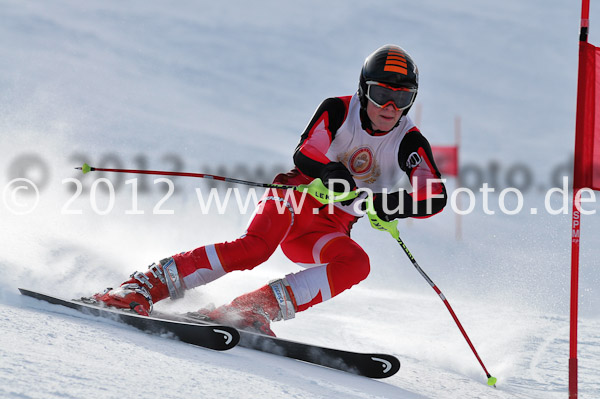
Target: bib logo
<point>361,161</point>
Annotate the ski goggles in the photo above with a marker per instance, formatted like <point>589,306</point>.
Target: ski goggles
<point>381,95</point>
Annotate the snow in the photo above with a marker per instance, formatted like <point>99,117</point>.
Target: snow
<point>227,89</point>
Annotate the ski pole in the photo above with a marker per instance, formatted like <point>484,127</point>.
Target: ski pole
<point>316,188</point>
<point>392,228</point>
<point>87,168</point>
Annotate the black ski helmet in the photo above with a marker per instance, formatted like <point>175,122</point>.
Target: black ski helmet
<point>391,65</point>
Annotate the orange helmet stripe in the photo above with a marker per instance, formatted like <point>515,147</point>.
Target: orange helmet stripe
<point>395,62</point>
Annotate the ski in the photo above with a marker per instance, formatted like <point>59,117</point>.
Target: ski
<point>372,365</point>
<point>202,333</point>
<point>215,337</point>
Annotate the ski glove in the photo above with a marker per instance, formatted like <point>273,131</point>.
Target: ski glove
<point>317,190</point>
<point>337,171</point>
<point>380,224</point>
<point>387,206</point>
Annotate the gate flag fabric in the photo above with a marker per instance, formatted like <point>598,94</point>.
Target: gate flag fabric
<point>446,159</point>
<point>587,134</point>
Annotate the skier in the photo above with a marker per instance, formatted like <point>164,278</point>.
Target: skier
<point>363,141</point>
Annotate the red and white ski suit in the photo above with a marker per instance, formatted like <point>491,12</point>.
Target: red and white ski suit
<point>314,236</point>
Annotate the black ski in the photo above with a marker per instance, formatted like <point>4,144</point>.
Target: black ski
<point>201,333</point>
<point>372,365</point>
<point>208,336</point>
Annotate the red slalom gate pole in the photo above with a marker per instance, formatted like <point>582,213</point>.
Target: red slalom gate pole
<point>575,234</point>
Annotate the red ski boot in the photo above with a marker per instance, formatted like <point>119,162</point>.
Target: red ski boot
<point>141,291</point>
<point>255,311</point>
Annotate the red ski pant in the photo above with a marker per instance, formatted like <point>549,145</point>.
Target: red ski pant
<point>314,237</point>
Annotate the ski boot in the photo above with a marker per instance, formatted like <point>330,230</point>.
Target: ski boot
<point>254,311</point>
<point>142,290</point>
